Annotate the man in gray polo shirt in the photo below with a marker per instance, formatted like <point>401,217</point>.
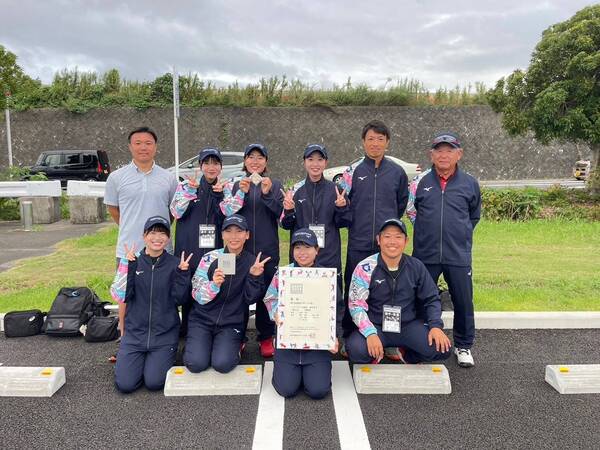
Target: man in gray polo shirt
<point>136,192</point>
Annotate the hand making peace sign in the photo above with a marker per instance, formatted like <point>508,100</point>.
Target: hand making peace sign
<point>130,252</point>
<point>184,264</point>
<point>193,181</point>
<point>340,201</point>
<point>288,199</point>
<point>259,266</point>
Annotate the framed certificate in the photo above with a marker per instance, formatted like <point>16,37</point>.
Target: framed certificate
<point>307,302</point>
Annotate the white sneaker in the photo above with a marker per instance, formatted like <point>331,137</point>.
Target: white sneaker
<point>464,357</point>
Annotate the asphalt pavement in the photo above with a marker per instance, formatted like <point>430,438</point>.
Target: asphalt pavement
<point>502,402</point>
<point>16,243</point>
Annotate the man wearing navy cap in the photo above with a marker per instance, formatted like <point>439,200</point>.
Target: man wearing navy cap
<point>195,205</point>
<point>386,292</point>
<point>444,206</point>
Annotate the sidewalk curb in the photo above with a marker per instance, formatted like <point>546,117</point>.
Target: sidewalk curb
<point>494,320</point>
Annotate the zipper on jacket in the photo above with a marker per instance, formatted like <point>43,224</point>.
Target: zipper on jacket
<point>441,227</point>
<point>254,221</point>
<point>150,313</point>
<point>224,302</point>
<point>314,221</point>
<point>373,241</point>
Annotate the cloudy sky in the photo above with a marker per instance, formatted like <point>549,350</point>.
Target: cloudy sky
<point>441,43</point>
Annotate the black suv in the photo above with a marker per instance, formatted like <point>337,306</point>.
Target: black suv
<point>63,165</point>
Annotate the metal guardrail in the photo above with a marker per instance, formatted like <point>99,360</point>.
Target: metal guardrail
<point>86,188</point>
<point>15,189</point>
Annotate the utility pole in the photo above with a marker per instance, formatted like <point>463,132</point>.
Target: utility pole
<point>176,120</point>
<point>8,138</point>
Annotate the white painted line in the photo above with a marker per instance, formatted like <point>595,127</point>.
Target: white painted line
<point>2,323</point>
<point>349,418</point>
<point>268,431</point>
<point>496,320</point>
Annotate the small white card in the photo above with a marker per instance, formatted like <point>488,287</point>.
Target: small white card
<point>226,262</point>
<point>319,231</point>
<point>207,236</point>
<point>256,178</point>
<point>392,316</point>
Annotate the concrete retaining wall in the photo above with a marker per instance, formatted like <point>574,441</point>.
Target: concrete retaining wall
<point>489,152</point>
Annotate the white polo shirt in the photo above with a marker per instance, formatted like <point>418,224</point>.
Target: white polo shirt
<point>138,195</point>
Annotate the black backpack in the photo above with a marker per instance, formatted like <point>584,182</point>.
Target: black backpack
<point>72,308</point>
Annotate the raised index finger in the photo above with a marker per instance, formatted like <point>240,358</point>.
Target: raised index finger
<point>337,191</point>
<point>258,258</point>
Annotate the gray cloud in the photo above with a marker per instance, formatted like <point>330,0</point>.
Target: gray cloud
<point>437,42</point>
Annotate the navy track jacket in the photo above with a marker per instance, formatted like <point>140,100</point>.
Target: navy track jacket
<point>376,194</point>
<point>225,305</point>
<point>373,286</point>
<point>315,205</point>
<point>193,207</point>
<point>444,220</point>
<point>262,213</point>
<point>152,293</point>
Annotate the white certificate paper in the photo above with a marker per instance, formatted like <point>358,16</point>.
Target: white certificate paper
<point>307,302</point>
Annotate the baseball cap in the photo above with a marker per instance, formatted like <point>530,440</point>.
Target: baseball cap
<point>261,148</point>
<point>158,220</point>
<point>306,236</point>
<point>206,152</point>
<point>237,220</point>
<point>446,138</point>
<point>310,149</point>
<point>395,222</point>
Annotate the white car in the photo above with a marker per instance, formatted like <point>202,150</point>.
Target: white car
<point>233,163</point>
<point>335,173</point>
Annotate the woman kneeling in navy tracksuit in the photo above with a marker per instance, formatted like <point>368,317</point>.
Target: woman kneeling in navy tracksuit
<point>217,320</point>
<point>153,284</point>
<point>294,369</point>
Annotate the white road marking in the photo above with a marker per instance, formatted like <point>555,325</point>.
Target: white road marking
<point>268,431</point>
<point>348,415</point>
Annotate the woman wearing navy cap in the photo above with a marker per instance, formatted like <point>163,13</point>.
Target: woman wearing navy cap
<point>217,320</point>
<point>259,199</point>
<point>307,369</point>
<point>195,205</point>
<point>152,283</point>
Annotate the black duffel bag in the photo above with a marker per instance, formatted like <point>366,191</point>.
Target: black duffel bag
<point>23,323</point>
<point>102,329</point>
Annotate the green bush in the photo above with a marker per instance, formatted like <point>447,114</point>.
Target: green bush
<point>530,203</point>
<point>79,92</point>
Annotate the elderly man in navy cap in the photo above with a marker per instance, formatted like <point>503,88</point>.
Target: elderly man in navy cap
<point>444,206</point>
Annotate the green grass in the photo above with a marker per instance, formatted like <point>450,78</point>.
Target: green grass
<point>537,265</point>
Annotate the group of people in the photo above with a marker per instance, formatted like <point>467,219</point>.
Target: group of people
<point>226,258</point>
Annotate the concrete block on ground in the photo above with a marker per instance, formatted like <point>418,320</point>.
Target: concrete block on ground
<point>87,209</point>
<point>401,379</point>
<point>45,209</point>
<point>243,380</point>
<point>31,381</point>
<point>574,378</point>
